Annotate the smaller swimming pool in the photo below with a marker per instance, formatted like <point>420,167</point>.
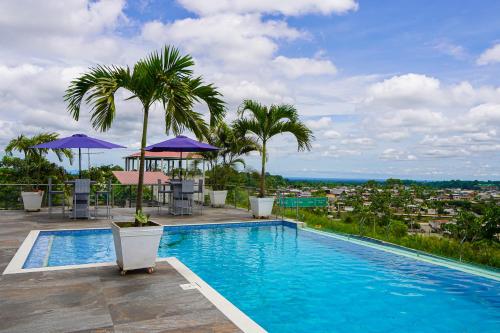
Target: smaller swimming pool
<point>293,280</point>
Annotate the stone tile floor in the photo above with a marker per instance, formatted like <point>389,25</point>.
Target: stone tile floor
<point>99,299</point>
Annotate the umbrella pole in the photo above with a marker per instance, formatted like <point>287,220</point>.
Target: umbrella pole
<point>80,163</point>
<point>180,167</point>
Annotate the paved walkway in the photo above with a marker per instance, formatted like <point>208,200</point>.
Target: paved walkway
<point>99,299</point>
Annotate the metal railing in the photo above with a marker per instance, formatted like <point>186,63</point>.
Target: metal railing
<point>125,195</point>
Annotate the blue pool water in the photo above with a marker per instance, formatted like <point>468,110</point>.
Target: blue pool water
<point>290,280</point>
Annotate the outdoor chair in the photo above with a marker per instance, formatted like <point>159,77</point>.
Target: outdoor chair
<point>183,197</point>
<point>81,199</point>
<point>162,191</point>
<point>51,193</point>
<point>107,196</point>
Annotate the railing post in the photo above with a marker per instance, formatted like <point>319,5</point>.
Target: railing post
<point>248,199</point>
<point>297,205</point>
<point>234,192</point>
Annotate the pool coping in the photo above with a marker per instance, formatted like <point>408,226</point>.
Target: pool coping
<point>400,250</point>
<point>228,309</point>
<point>16,264</point>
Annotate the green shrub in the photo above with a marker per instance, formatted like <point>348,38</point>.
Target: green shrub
<point>399,229</point>
<point>480,252</point>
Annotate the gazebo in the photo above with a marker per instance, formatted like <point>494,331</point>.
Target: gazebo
<point>159,161</point>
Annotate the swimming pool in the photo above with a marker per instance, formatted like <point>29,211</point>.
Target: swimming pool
<point>292,280</point>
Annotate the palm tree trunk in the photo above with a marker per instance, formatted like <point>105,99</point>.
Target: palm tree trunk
<point>140,185</point>
<point>263,172</point>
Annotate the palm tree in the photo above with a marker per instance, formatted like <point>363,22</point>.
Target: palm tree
<point>35,156</point>
<point>232,145</point>
<point>266,122</point>
<point>24,145</point>
<point>164,78</point>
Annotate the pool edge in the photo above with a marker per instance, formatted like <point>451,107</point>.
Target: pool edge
<point>233,313</point>
<point>432,259</point>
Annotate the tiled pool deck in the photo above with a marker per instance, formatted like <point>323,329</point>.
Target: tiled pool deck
<point>99,299</point>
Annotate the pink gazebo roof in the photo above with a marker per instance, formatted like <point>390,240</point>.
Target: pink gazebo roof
<point>132,177</point>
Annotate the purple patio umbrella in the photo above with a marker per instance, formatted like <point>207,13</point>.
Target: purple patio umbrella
<point>78,141</point>
<point>181,144</point>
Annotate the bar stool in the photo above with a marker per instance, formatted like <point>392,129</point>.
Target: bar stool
<point>51,193</point>
<point>107,195</point>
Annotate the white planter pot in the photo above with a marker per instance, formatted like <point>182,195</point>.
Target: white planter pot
<point>218,198</point>
<point>136,247</point>
<point>261,207</point>
<point>32,200</point>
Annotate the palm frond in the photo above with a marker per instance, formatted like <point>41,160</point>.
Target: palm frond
<point>99,85</point>
<point>299,130</point>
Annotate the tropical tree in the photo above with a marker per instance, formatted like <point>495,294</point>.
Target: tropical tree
<point>164,78</point>
<point>34,158</point>
<point>491,222</point>
<point>266,122</point>
<point>232,146</point>
<point>24,145</point>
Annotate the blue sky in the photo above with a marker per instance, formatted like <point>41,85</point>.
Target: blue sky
<point>404,89</point>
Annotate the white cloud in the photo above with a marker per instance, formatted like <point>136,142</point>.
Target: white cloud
<point>55,17</point>
<point>74,30</point>
<point>331,134</point>
<point>321,123</point>
<point>490,56</point>
<point>286,7</point>
<point>488,113</point>
<point>358,141</point>
<point>400,91</point>
<point>394,136</point>
<point>418,120</point>
<point>444,153</point>
<point>451,49</point>
<point>226,38</point>
<point>296,67</point>
<point>397,155</point>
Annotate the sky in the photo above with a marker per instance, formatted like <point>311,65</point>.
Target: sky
<point>407,89</point>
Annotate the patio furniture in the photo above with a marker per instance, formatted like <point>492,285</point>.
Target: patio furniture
<point>81,198</point>
<point>162,191</point>
<point>51,193</point>
<point>182,199</point>
<point>107,196</point>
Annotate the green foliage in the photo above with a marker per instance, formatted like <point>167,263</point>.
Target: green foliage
<point>164,78</point>
<point>398,229</point>
<point>141,218</point>
<point>263,123</point>
<point>481,252</point>
<point>33,168</point>
<point>491,222</point>
<point>232,146</point>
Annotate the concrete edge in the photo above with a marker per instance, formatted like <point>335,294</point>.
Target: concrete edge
<point>16,263</point>
<point>240,319</point>
<point>421,257</point>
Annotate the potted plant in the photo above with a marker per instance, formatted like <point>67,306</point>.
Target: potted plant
<point>33,161</point>
<point>232,146</point>
<point>136,246</point>
<point>164,79</point>
<point>264,123</point>
<point>218,192</point>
